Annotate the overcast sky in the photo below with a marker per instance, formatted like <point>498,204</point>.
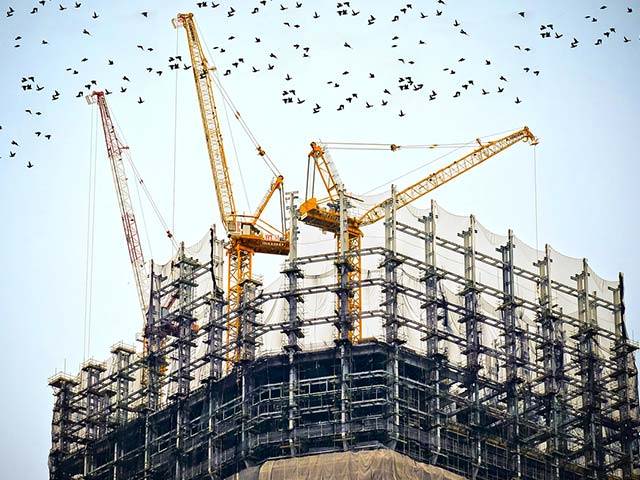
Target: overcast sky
<point>583,105</point>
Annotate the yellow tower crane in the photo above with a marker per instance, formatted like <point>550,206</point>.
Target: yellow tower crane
<point>325,213</point>
<point>248,234</point>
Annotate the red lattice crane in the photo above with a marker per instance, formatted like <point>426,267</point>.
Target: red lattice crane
<point>115,152</point>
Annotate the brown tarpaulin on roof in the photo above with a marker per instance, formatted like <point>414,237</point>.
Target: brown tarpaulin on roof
<point>363,465</point>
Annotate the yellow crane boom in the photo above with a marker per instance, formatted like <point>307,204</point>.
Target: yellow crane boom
<point>276,185</point>
<point>210,122</point>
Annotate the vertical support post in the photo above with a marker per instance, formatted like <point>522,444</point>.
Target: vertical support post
<point>122,356</point>
<point>184,323</point>
<point>154,365</point>
<point>552,345</point>
<point>473,346</point>
<point>392,324</point>
<point>61,441</point>
<point>432,338</point>
<point>591,384</point>
<point>216,310</point>
<point>215,354</point>
<point>91,371</point>
<point>626,376</point>
<point>247,346</point>
<point>511,336</point>
<point>292,329</point>
<point>344,323</point>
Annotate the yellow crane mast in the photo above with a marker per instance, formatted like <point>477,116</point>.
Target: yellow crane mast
<point>248,234</point>
<point>325,214</point>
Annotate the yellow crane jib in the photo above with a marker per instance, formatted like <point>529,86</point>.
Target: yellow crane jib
<point>325,214</point>
<point>210,121</point>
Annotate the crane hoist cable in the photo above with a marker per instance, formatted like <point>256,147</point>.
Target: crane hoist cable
<point>136,173</point>
<point>394,146</point>
<point>175,144</point>
<point>236,156</point>
<point>227,99</point>
<point>413,170</point>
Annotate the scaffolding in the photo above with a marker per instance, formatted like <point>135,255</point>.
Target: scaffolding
<point>480,355</point>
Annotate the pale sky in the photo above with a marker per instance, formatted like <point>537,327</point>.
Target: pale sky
<point>583,105</point>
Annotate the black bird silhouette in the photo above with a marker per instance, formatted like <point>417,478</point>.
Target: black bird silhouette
<point>145,14</point>
<point>140,100</point>
<point>86,32</point>
<point>29,165</point>
<point>518,100</point>
<point>95,15</point>
<point>521,14</point>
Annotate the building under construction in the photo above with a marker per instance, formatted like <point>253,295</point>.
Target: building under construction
<point>395,343</point>
<point>479,354</point>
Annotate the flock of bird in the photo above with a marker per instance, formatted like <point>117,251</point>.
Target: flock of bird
<point>289,93</point>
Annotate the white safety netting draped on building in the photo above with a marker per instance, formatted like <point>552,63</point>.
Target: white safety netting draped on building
<point>318,308</point>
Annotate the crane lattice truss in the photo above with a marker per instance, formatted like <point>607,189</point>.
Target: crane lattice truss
<point>332,213</point>
<point>552,393</point>
<point>248,234</point>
